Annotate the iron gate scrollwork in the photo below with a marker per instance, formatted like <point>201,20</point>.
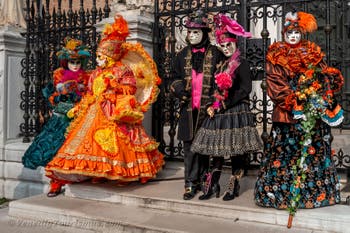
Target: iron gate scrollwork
<point>47,26</point>
<point>264,19</point>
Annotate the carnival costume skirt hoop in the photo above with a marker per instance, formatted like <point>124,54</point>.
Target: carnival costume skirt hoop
<point>97,147</point>
<point>228,134</point>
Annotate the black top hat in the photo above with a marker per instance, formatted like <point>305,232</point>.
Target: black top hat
<point>198,20</point>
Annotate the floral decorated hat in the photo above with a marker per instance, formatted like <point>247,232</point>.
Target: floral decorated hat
<point>113,37</point>
<point>228,29</point>
<point>301,21</point>
<point>73,49</point>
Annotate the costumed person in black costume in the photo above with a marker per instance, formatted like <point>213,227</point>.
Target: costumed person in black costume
<point>194,69</point>
<point>229,130</point>
<point>297,170</point>
<point>62,93</point>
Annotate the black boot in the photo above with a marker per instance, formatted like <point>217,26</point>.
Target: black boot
<point>211,185</point>
<point>233,187</point>
<point>229,193</point>
<point>237,187</point>
<point>190,192</point>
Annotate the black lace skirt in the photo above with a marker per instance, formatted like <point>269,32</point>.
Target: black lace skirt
<point>228,134</point>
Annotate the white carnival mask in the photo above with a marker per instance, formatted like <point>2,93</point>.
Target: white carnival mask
<point>228,48</point>
<point>74,65</point>
<point>194,36</point>
<point>292,37</point>
<point>101,60</point>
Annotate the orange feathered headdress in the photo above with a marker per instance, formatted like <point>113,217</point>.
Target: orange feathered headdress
<point>113,36</point>
<point>300,20</point>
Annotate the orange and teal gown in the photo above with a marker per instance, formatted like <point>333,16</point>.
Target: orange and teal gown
<point>107,139</point>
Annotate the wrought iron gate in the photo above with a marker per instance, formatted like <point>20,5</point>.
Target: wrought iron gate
<point>47,26</point>
<point>265,17</point>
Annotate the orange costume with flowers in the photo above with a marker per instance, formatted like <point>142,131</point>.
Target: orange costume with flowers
<point>106,138</point>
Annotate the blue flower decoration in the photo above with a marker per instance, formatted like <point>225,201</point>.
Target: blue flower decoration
<point>311,184</point>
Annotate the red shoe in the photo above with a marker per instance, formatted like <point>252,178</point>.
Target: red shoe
<point>144,180</point>
<point>55,188</point>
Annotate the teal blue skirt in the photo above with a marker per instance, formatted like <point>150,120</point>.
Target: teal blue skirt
<point>46,144</point>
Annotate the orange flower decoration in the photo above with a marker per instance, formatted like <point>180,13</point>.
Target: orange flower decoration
<point>309,73</point>
<point>276,163</point>
<point>321,197</point>
<point>298,107</point>
<point>72,44</point>
<point>311,150</point>
<point>309,91</point>
<point>302,96</point>
<point>316,85</point>
<point>302,79</point>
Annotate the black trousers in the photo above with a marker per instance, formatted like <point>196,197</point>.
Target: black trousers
<point>196,165</point>
<point>238,162</point>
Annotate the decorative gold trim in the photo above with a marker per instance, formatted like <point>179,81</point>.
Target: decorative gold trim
<point>74,143</point>
<point>108,160</point>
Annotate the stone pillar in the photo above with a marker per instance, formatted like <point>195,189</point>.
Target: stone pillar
<point>139,14</point>
<point>12,46</point>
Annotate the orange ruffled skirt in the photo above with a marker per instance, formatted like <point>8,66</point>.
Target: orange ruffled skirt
<point>97,147</point>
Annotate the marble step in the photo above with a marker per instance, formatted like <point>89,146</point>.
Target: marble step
<point>82,215</point>
<point>167,196</point>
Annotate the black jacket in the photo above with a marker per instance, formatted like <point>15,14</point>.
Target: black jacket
<point>241,86</point>
<point>181,88</point>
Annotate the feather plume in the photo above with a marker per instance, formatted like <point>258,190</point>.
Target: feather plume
<point>119,30</point>
<point>307,22</point>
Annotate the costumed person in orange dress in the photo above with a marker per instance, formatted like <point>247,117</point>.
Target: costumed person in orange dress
<point>297,170</point>
<point>106,140</point>
<point>62,93</point>
<point>229,131</point>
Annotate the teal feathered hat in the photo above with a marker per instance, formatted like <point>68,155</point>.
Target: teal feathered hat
<point>73,49</point>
